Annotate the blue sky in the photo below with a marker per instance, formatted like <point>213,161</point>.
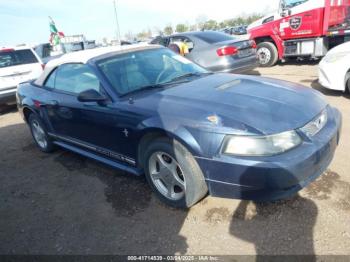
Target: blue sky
<point>26,21</point>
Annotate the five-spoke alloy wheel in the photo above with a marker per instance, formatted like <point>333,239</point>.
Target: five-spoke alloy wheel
<point>173,173</point>
<point>167,175</point>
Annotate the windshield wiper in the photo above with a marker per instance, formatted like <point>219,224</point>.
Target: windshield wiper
<point>174,81</point>
<point>189,75</point>
<point>144,88</point>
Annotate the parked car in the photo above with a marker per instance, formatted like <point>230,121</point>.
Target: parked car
<point>145,109</point>
<point>334,68</point>
<point>215,51</point>
<point>44,51</point>
<point>17,65</point>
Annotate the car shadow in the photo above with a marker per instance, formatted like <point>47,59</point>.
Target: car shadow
<point>74,205</point>
<point>276,228</point>
<point>148,226</point>
<point>328,92</point>
<point>5,109</point>
<point>253,72</point>
<point>298,62</point>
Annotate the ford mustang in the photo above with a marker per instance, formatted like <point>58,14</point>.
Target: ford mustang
<point>146,110</point>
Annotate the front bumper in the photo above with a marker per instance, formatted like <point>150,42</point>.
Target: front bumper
<point>275,177</point>
<point>332,75</point>
<point>8,96</point>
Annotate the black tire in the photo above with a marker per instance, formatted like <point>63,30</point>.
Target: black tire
<point>347,84</point>
<point>48,146</point>
<point>195,185</point>
<point>269,59</point>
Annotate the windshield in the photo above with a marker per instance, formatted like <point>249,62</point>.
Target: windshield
<point>148,68</point>
<point>286,4</point>
<point>19,57</point>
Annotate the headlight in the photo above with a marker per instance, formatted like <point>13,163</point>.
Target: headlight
<point>261,145</point>
<point>332,58</point>
<point>315,126</point>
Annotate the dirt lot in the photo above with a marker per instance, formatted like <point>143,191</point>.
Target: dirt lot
<point>66,204</point>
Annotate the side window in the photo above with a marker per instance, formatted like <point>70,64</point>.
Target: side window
<point>291,3</point>
<point>183,43</point>
<point>183,40</point>
<point>50,81</point>
<point>76,78</point>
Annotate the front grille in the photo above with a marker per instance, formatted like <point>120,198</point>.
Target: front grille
<point>316,125</point>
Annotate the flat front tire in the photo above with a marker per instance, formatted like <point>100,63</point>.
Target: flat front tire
<point>173,173</point>
<point>39,134</point>
<point>267,53</point>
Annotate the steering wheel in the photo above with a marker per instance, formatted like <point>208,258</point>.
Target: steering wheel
<point>162,76</point>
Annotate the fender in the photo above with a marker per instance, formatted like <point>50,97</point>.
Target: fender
<point>172,129</point>
<point>266,33</point>
<point>279,44</point>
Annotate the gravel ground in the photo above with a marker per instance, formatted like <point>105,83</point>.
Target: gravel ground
<point>63,203</point>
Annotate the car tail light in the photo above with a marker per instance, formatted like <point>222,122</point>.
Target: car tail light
<point>227,50</point>
<point>253,44</point>
<point>7,50</point>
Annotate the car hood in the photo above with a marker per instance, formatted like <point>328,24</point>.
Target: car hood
<point>343,48</point>
<point>245,104</point>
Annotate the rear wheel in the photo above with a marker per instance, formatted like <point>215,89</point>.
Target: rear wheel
<point>173,173</point>
<point>39,134</point>
<point>347,85</point>
<point>267,53</point>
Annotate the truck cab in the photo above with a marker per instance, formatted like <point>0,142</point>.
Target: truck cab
<point>301,28</point>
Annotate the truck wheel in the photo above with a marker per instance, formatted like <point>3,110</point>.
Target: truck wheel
<point>173,173</point>
<point>267,53</point>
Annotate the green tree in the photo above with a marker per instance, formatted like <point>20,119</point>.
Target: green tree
<point>168,30</point>
<point>210,25</point>
<point>180,28</point>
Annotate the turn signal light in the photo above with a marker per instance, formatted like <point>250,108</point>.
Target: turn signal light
<point>227,50</point>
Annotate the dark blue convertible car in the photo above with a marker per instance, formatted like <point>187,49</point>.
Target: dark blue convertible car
<point>147,110</point>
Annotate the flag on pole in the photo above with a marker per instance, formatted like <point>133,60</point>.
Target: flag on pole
<point>55,35</point>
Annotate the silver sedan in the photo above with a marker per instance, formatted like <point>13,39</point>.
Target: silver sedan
<point>215,51</point>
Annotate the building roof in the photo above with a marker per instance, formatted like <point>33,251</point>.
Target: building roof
<point>86,55</point>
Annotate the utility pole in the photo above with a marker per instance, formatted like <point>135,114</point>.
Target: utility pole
<point>117,32</point>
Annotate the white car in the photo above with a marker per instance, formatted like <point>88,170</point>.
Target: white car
<point>334,68</point>
<point>17,65</point>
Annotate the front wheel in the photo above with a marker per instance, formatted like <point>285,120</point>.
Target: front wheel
<point>267,53</point>
<point>174,174</point>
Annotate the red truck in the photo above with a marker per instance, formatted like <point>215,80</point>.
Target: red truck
<point>301,28</point>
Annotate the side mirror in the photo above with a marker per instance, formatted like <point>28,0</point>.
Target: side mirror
<point>91,95</point>
<point>286,12</point>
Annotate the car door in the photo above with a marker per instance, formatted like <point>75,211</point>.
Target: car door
<point>304,18</point>
<point>89,125</point>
